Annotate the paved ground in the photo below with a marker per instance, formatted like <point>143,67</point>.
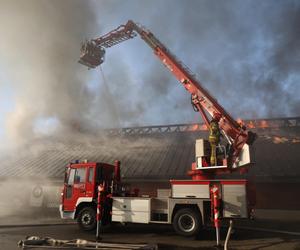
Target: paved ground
<point>249,235</point>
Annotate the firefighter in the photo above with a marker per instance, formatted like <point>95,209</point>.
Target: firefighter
<point>214,139</point>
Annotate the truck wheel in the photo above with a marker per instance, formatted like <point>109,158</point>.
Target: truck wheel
<point>187,222</point>
<point>87,219</point>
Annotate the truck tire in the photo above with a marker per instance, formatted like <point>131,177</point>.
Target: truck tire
<point>87,219</point>
<point>187,222</point>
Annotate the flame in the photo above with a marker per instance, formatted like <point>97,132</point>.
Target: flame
<point>203,127</point>
<point>198,127</point>
<point>296,140</point>
<point>277,139</point>
<point>257,124</point>
<point>263,124</point>
<point>240,122</point>
<point>251,124</point>
<point>194,127</point>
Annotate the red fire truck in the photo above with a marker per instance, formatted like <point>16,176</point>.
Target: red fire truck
<point>188,204</point>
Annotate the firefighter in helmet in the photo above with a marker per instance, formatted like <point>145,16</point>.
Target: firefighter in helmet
<point>214,138</point>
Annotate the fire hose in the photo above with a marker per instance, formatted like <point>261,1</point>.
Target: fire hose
<point>50,243</point>
<point>228,235</point>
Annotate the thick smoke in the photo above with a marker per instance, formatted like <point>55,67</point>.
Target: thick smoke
<point>246,53</point>
<point>24,201</point>
<point>39,49</point>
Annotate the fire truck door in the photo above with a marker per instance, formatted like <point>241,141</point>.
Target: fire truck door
<point>89,186</point>
<point>75,187</point>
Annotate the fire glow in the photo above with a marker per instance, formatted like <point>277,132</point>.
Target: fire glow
<point>250,124</point>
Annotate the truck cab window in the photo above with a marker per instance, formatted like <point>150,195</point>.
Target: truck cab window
<point>80,175</point>
<point>71,176</point>
<point>91,175</point>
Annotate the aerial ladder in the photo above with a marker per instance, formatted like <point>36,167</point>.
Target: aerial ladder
<point>232,157</point>
<point>236,154</point>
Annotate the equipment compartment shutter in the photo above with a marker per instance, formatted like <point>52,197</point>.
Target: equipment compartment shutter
<point>135,210</point>
<point>190,190</point>
<point>234,200</point>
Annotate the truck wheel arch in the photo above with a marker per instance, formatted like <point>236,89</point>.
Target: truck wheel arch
<point>181,206</point>
<point>187,220</point>
<point>83,205</point>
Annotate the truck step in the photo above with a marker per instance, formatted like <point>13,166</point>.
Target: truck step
<point>158,222</point>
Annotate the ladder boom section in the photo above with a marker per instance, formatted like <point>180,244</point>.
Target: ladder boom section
<point>202,100</point>
<point>116,36</point>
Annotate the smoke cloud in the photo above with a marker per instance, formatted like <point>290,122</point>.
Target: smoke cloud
<point>246,53</point>
<point>29,201</point>
<point>39,50</point>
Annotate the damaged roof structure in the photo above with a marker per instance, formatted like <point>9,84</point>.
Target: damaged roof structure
<point>157,152</point>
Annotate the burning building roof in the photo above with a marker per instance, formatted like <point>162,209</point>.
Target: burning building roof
<point>156,152</point>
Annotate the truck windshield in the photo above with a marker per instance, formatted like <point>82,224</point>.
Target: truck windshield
<point>80,175</point>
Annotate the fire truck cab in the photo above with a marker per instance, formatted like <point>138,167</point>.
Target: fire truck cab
<point>79,195</point>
